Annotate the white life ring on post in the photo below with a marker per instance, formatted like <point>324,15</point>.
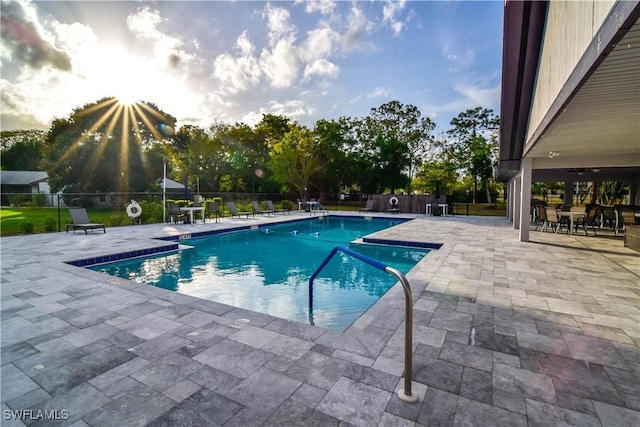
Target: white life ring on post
<point>133,210</point>
<point>393,201</point>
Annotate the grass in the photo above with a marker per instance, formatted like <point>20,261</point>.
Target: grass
<point>11,219</point>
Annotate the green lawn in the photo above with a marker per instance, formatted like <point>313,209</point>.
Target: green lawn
<point>11,219</point>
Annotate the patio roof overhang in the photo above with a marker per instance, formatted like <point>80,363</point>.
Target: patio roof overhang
<point>594,123</point>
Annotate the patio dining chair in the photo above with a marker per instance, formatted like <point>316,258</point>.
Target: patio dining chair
<point>552,219</point>
<point>175,214</point>
<point>589,220</point>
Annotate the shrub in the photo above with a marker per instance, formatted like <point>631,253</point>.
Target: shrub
<point>27,226</point>
<point>286,204</point>
<point>17,200</point>
<point>150,211</point>
<point>50,224</point>
<point>116,220</point>
<point>39,199</point>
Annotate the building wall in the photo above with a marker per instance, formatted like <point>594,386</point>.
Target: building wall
<point>571,26</point>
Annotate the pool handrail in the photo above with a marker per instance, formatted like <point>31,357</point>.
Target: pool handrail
<point>405,394</point>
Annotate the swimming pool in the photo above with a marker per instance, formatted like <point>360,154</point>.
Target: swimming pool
<point>267,270</point>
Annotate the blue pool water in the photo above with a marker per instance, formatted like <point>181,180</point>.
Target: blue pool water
<point>268,270</point>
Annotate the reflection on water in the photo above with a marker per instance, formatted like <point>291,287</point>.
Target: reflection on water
<point>268,271</point>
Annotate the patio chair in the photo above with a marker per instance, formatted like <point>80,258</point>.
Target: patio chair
<point>369,208</point>
<point>212,209</point>
<point>626,216</point>
<point>234,211</point>
<point>608,217</point>
<point>435,208</point>
<point>541,216</point>
<point>275,211</point>
<point>175,214</point>
<point>255,207</point>
<point>81,221</point>
<point>552,219</point>
<point>589,220</point>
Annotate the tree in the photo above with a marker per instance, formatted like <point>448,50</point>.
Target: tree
<point>472,144</point>
<point>101,147</point>
<point>21,150</point>
<point>395,141</point>
<point>434,172</point>
<point>295,159</point>
<point>335,144</point>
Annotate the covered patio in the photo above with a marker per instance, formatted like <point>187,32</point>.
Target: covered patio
<point>570,98</point>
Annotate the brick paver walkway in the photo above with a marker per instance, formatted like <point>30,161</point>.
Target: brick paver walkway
<point>505,333</point>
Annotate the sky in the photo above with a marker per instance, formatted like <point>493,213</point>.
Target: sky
<point>206,62</point>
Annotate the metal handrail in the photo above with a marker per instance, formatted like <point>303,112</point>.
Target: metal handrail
<point>405,395</point>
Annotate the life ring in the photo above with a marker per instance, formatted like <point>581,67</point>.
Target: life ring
<point>133,210</point>
<point>393,201</point>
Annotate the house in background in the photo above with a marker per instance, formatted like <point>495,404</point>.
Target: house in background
<point>26,183</point>
<point>570,106</point>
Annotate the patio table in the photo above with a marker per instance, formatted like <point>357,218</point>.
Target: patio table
<point>191,209</point>
<point>572,216</point>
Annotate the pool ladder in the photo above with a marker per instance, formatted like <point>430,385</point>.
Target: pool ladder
<point>405,394</point>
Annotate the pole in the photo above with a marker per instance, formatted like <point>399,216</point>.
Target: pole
<point>467,202</point>
<point>164,190</point>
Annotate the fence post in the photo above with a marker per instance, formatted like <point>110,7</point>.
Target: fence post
<point>59,222</point>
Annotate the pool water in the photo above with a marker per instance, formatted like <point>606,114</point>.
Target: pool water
<point>268,270</point>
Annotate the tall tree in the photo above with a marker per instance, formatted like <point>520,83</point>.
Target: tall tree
<point>335,144</point>
<point>101,147</point>
<point>472,143</point>
<point>396,139</point>
<point>295,159</point>
<point>21,150</point>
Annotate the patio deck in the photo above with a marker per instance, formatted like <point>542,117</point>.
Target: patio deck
<point>505,333</point>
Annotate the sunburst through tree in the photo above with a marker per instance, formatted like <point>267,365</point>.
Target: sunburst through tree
<point>104,147</point>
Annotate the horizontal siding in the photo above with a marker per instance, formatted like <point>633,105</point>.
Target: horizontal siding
<point>571,26</point>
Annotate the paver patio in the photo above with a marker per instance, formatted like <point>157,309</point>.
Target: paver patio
<point>505,333</point>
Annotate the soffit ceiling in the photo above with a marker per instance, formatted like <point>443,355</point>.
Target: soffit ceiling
<point>600,125</point>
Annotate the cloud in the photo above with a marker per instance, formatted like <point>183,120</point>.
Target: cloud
<point>379,92</point>
<point>474,94</point>
<point>294,109</point>
<point>480,94</point>
<point>389,15</point>
<point>357,26</point>
<point>166,49</point>
<point>281,64</point>
<point>25,40</point>
<point>241,72</point>
<point>319,43</point>
<point>325,7</point>
<point>322,68</point>
<point>278,24</point>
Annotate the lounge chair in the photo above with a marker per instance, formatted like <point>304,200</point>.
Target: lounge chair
<point>234,211</point>
<point>275,211</point>
<point>81,221</point>
<point>255,206</point>
<point>175,214</point>
<point>369,208</point>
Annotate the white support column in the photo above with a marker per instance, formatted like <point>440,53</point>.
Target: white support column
<point>525,197</point>
<point>510,200</point>
<point>516,202</point>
